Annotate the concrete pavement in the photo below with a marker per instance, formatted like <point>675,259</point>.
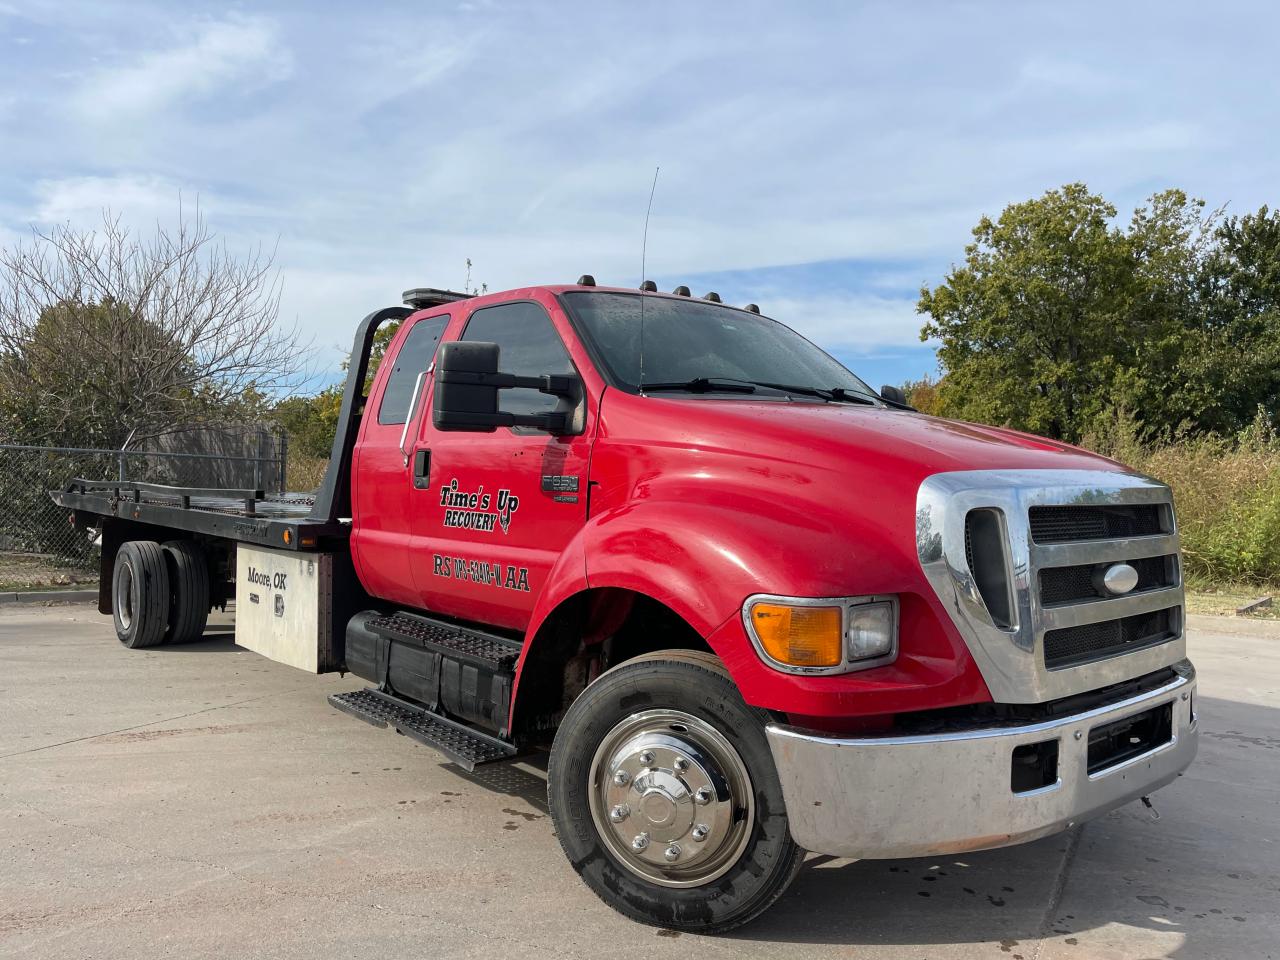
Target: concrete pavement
<point>201,801</point>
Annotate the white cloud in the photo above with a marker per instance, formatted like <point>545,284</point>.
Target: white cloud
<point>212,57</point>
<point>852,322</point>
<point>406,140</point>
<point>81,200</point>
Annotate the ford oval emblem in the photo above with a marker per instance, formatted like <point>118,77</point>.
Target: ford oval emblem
<point>1119,578</point>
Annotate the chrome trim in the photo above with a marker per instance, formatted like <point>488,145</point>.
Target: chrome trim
<point>1102,551</point>
<point>915,796</point>
<point>412,415</point>
<point>846,604</point>
<point>1101,609</point>
<point>1012,660</point>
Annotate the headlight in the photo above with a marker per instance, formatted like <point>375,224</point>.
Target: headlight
<point>823,636</point>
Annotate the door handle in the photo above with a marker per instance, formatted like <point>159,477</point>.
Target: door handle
<point>421,469</point>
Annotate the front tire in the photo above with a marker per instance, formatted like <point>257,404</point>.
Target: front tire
<point>140,594</point>
<point>665,797</point>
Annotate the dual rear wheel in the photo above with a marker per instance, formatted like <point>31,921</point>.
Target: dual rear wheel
<point>160,592</point>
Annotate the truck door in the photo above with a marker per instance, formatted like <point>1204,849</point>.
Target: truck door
<point>497,509</point>
<point>380,489</point>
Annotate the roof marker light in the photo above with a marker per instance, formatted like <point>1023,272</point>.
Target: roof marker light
<point>681,291</point>
<point>586,280</point>
<point>751,308</point>
<point>649,287</point>
<point>713,297</point>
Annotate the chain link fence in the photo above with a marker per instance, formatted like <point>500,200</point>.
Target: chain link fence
<point>38,546</point>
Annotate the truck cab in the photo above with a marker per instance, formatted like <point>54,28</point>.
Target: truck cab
<point>751,606</point>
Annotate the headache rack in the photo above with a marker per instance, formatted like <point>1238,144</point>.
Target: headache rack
<point>286,521</point>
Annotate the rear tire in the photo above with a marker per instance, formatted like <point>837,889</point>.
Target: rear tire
<point>140,593</point>
<point>189,584</point>
<point>665,797</point>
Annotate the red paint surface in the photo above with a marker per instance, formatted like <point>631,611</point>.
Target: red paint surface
<point>697,502</point>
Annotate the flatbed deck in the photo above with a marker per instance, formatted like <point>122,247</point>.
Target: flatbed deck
<point>285,521</point>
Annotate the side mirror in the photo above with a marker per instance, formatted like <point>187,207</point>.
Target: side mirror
<point>467,385</point>
<point>895,397</point>
<point>462,403</point>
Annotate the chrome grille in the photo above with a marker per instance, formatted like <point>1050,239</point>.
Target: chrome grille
<point>1076,584</point>
<point>1108,638</point>
<point>1067,523</point>
<point>1063,528</point>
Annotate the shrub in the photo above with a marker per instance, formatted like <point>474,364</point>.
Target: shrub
<point>1226,492</point>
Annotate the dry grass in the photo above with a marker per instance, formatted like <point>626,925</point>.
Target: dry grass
<point>1227,496</point>
<point>1223,601</point>
<point>36,572</point>
<point>304,473</point>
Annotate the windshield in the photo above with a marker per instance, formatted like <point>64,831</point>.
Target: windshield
<point>686,340</point>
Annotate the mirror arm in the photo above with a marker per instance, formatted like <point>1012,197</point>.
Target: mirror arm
<point>556,385</point>
<point>557,423</point>
<point>412,415</point>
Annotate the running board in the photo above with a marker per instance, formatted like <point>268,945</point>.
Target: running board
<point>465,644</point>
<point>464,746</point>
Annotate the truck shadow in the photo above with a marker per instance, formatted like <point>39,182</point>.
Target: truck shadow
<point>524,779</point>
<point>217,638</point>
<point>1196,883</point>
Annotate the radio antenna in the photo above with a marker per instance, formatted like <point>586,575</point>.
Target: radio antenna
<point>644,250</point>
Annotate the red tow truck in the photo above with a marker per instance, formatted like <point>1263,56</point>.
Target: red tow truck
<point>751,606</point>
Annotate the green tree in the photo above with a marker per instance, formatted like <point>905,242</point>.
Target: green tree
<point>310,421</point>
<point>1057,315</point>
<point>923,394</point>
<point>1236,357</point>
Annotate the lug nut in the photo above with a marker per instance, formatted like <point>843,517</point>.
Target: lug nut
<point>619,813</point>
<point>646,757</point>
<point>702,796</point>
<point>700,832</point>
<point>640,842</point>
<point>622,778</point>
<point>681,763</point>
<point>672,853</point>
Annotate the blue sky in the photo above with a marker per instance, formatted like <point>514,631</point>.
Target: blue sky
<point>823,159</point>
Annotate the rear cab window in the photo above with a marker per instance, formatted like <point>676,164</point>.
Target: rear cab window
<point>414,356</point>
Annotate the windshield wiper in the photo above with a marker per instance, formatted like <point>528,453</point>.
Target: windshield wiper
<point>834,393</point>
<point>734,385</point>
<point>704,385</point>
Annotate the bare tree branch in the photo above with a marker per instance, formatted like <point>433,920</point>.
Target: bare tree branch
<point>103,332</point>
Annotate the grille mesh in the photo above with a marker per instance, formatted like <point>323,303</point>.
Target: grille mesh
<point>1063,524</point>
<point>1073,584</point>
<point>1094,641</point>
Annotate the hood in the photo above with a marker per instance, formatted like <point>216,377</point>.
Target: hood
<point>843,435</point>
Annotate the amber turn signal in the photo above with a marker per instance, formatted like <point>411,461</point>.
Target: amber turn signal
<point>799,636</point>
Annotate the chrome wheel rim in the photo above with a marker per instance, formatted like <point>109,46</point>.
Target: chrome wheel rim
<point>124,595</point>
<point>671,798</point>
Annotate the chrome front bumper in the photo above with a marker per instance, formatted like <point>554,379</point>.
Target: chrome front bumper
<point>914,796</point>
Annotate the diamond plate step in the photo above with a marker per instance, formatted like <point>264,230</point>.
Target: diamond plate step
<point>466,747</point>
<point>483,649</point>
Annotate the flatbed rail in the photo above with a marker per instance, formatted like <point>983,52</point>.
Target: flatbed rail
<point>285,521</point>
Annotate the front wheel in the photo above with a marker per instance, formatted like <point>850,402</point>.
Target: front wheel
<point>665,797</point>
